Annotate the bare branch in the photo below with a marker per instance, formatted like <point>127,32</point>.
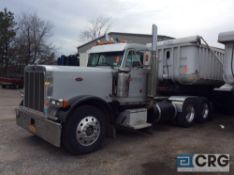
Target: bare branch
<point>97,28</point>
<point>33,34</point>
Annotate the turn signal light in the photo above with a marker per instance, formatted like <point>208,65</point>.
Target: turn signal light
<point>65,104</point>
<point>61,103</point>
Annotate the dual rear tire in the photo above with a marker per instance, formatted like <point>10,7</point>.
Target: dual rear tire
<point>194,110</point>
<point>204,110</point>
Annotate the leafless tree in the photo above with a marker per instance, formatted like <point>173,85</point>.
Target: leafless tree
<point>97,27</point>
<point>32,39</point>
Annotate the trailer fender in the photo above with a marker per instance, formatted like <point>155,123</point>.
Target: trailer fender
<point>178,101</point>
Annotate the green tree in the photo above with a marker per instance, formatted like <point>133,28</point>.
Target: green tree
<point>7,36</point>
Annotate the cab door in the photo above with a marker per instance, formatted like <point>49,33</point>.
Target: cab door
<point>137,80</point>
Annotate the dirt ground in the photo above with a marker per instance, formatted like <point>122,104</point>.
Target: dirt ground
<point>148,152</point>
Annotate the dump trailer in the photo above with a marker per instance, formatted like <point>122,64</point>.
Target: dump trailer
<point>76,107</point>
<point>227,38</point>
<point>187,61</point>
<point>189,65</point>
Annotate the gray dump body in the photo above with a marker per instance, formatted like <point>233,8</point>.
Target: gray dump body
<point>227,38</point>
<point>189,62</point>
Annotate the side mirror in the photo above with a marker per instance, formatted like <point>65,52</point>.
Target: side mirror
<point>124,69</point>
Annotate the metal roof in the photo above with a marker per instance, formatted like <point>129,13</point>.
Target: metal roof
<point>123,34</point>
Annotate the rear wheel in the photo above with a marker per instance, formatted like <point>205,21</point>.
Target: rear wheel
<point>204,111</point>
<point>84,131</point>
<point>189,113</point>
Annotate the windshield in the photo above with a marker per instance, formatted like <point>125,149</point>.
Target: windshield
<point>105,59</point>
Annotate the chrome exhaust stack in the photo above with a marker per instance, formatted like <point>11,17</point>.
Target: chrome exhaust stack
<point>153,73</point>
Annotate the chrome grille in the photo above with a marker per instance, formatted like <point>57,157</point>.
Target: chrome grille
<point>34,88</point>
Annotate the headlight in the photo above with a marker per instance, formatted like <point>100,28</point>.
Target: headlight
<point>47,83</point>
<point>51,107</point>
<point>61,103</point>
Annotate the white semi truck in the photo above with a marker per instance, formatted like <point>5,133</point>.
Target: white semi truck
<point>128,85</point>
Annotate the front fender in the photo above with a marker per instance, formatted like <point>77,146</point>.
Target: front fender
<point>77,101</point>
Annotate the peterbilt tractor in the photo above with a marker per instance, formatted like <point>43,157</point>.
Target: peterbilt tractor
<point>125,84</point>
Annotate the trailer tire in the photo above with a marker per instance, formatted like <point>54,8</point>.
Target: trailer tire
<point>204,111</point>
<point>84,131</point>
<point>188,115</point>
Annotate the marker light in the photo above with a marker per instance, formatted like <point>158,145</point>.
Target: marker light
<point>61,103</point>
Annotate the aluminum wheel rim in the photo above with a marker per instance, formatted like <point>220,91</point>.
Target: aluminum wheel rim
<point>190,114</point>
<point>88,131</point>
<point>205,111</point>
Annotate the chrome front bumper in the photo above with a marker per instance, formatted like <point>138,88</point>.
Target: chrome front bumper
<point>36,123</point>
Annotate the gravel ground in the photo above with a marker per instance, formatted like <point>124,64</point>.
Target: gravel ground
<point>144,152</point>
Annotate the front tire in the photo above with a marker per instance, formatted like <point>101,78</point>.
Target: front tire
<point>84,131</point>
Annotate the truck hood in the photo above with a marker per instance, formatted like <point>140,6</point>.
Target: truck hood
<point>70,81</point>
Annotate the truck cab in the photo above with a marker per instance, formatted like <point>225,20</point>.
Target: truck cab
<point>129,71</point>
<point>92,97</point>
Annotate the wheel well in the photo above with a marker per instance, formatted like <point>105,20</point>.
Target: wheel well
<point>100,105</point>
<point>103,106</point>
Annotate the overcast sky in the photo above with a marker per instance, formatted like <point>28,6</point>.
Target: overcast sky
<point>176,18</point>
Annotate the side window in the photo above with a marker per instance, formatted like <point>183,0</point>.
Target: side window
<point>134,59</point>
<point>138,59</point>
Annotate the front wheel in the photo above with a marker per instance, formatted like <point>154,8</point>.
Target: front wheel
<point>84,130</point>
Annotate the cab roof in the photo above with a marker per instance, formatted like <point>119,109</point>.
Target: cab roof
<point>116,47</point>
